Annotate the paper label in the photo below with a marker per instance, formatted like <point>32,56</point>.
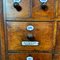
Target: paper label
<point>30,43</point>
<point>17,1</point>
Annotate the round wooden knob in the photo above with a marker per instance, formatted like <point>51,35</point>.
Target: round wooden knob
<point>17,6</point>
<point>30,37</point>
<point>44,7</point>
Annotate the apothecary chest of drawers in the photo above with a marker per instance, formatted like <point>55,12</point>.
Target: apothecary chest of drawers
<point>30,30</point>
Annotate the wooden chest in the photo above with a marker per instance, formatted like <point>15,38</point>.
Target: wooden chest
<point>30,30</point>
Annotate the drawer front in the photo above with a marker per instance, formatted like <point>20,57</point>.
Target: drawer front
<point>58,38</point>
<point>56,57</point>
<point>13,12</point>
<point>17,33</point>
<point>40,56</point>
<point>40,13</point>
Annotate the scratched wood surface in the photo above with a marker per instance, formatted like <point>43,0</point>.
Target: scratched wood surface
<point>47,33</point>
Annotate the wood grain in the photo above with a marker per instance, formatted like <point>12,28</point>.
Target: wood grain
<point>46,33</point>
<point>56,57</point>
<point>10,13</point>
<point>57,18</point>
<point>2,38</point>
<point>30,11</point>
<point>58,38</point>
<point>43,33</point>
<point>40,56</point>
<point>40,14</point>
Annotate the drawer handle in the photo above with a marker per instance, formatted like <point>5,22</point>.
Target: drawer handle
<point>31,41</point>
<point>43,5</point>
<point>30,37</point>
<point>17,6</point>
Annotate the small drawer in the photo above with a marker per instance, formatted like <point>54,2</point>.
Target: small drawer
<point>56,57</point>
<point>40,56</point>
<point>28,36</point>
<point>58,38</point>
<point>14,10</point>
<point>43,11</point>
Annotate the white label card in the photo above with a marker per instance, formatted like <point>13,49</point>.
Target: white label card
<point>17,1</point>
<point>30,43</point>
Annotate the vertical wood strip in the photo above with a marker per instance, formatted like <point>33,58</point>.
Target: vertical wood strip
<point>56,4</point>
<point>55,30</point>
<point>2,32</point>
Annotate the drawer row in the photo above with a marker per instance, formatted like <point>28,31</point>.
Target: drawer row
<point>31,10</point>
<point>30,36</point>
<point>35,56</point>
